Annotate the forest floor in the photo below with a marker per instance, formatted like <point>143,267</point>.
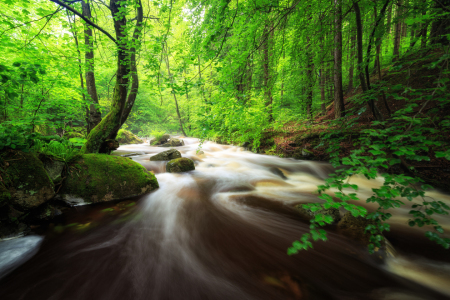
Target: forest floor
<point>412,72</point>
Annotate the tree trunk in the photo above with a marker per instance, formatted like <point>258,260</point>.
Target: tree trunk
<point>365,82</point>
<point>80,71</point>
<point>352,65</point>
<point>94,113</point>
<point>398,30</point>
<point>266,67</point>
<point>173,92</point>
<point>98,138</point>
<point>440,26</point>
<point>339,108</point>
<point>322,91</point>
<point>424,30</point>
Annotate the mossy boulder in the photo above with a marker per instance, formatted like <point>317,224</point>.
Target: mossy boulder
<point>354,228</point>
<point>100,177</point>
<point>166,155</point>
<point>27,180</point>
<point>53,167</point>
<point>160,140</point>
<point>127,137</point>
<point>174,142</point>
<point>179,165</point>
<point>309,214</point>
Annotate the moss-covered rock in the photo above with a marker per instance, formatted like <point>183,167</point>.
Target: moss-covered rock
<point>179,165</point>
<point>127,137</point>
<point>174,142</point>
<point>309,214</point>
<point>354,228</point>
<point>160,140</point>
<point>166,155</point>
<point>27,181</point>
<point>71,135</point>
<point>54,168</point>
<point>100,177</point>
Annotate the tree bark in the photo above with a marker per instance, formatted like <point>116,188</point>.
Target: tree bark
<point>173,92</point>
<point>94,113</point>
<point>266,67</point>
<point>97,140</point>
<point>352,65</point>
<point>398,30</point>
<point>80,71</point>
<point>339,108</point>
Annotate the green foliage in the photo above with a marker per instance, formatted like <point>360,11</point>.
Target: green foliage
<point>157,134</point>
<point>60,150</point>
<point>388,150</point>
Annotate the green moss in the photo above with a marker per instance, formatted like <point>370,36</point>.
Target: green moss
<point>27,179</point>
<point>101,177</point>
<point>178,165</point>
<point>127,137</point>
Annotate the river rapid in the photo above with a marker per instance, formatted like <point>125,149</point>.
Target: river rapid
<point>222,232</point>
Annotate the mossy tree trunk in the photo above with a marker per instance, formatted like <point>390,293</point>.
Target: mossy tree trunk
<point>99,139</point>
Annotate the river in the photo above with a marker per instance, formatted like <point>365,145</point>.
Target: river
<point>222,232</point>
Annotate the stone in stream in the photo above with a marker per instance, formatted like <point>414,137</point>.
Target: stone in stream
<point>309,214</point>
<point>354,228</point>
<point>166,155</point>
<point>174,142</point>
<point>179,165</point>
<point>27,180</point>
<point>100,177</point>
<point>162,140</point>
<point>125,137</point>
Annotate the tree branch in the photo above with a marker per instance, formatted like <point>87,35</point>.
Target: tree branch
<point>61,3</point>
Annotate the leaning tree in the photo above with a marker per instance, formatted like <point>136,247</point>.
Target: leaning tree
<point>101,138</point>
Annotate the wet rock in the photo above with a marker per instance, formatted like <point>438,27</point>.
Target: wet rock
<point>160,141</point>
<point>100,177</point>
<point>28,182</point>
<point>166,145</point>
<point>354,228</point>
<point>45,212</point>
<point>54,169</point>
<point>306,152</point>
<point>174,142</point>
<point>309,214</point>
<point>179,165</point>
<point>125,137</point>
<point>166,155</point>
<point>278,172</point>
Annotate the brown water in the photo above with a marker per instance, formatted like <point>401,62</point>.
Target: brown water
<point>221,232</point>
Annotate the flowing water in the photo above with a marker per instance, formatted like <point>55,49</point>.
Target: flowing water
<point>221,232</point>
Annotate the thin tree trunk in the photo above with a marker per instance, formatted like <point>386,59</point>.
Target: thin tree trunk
<point>322,91</point>
<point>310,79</point>
<point>80,71</point>
<point>94,113</point>
<point>266,67</point>
<point>424,31</point>
<point>98,140</point>
<point>352,64</point>
<point>339,108</point>
<point>398,30</point>
<point>173,92</point>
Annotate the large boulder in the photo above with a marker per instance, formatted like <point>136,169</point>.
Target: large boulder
<point>160,141</point>
<point>100,177</point>
<point>127,137</point>
<point>166,155</point>
<point>309,214</point>
<point>174,142</point>
<point>27,180</point>
<point>179,165</point>
<point>354,228</point>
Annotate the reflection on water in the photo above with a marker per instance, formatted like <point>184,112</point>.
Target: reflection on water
<point>221,232</point>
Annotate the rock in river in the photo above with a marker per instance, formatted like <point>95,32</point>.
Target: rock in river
<point>100,177</point>
<point>179,165</point>
<point>166,155</point>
